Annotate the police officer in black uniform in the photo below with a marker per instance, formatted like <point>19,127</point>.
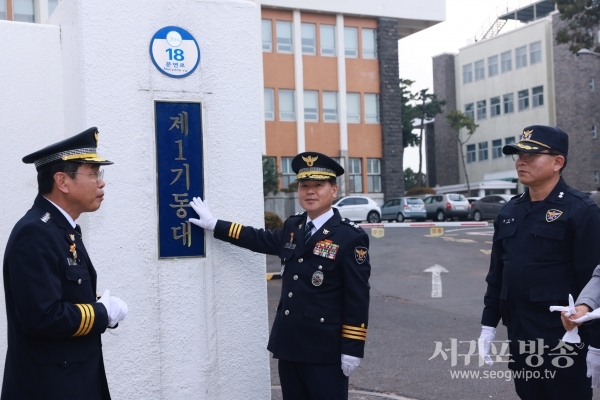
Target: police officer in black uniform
<point>54,320</point>
<point>321,323</point>
<point>545,247</point>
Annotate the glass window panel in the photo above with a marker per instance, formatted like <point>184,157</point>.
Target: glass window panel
<point>506,61</point>
<point>327,40</point>
<point>2,9</point>
<point>523,99</point>
<point>470,110</point>
<point>492,65</point>
<point>351,41</point>
<point>52,4</point>
<point>374,175</point>
<point>330,107</point>
<point>369,43</point>
<point>509,103</point>
<point>371,108</point>
<point>535,52</point>
<point>521,57</point>
<point>495,106</point>
<point>483,151</point>
<point>309,38</point>
<point>479,70</point>
<point>311,106</point>
<point>471,153</point>
<point>23,10</point>
<point>467,73</point>
<point>497,148</point>
<point>355,175</point>
<point>353,106</point>
<point>481,109</point>
<point>537,96</point>
<point>287,111</point>
<point>284,37</point>
<point>267,35</point>
<point>269,104</point>
<point>287,174</point>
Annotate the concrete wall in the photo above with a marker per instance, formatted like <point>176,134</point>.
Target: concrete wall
<point>197,327</point>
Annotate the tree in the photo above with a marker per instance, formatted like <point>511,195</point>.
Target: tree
<point>408,113</point>
<point>411,179</point>
<point>428,108</point>
<point>270,176</point>
<point>458,120</point>
<point>584,18</point>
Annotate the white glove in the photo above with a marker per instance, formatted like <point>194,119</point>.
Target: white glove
<point>115,308</point>
<point>571,336</point>
<point>206,221</point>
<point>588,316</point>
<point>349,364</point>
<point>488,334</point>
<point>593,366</point>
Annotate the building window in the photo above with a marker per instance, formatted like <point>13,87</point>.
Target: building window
<point>3,10</point>
<point>479,70</point>
<point>535,53</point>
<point>523,99</point>
<point>493,66</point>
<point>351,42</point>
<point>506,61</point>
<point>537,96</point>
<point>471,154</point>
<point>330,107</point>
<point>287,174</point>
<point>594,132</point>
<point>497,148</point>
<point>369,43</point>
<point>509,103</point>
<point>596,176</point>
<point>483,151</point>
<point>311,106</point>
<point>309,38</point>
<point>269,104</point>
<point>355,175</point>
<point>371,108</point>
<point>353,108</point>
<point>284,37</point>
<point>495,108</point>
<point>470,110</point>
<point>267,35</point>
<point>509,140</point>
<point>23,10</point>
<point>327,40</point>
<point>287,110</point>
<point>592,85</point>
<point>52,4</point>
<point>521,57</point>
<point>481,110</point>
<point>467,73</point>
<point>374,175</point>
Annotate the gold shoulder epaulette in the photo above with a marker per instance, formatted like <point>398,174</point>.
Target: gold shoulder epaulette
<point>354,332</point>
<point>235,229</point>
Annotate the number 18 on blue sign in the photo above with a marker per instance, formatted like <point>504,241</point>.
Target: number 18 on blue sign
<point>174,52</point>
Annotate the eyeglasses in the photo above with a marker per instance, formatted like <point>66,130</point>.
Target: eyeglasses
<point>528,157</point>
<point>97,175</point>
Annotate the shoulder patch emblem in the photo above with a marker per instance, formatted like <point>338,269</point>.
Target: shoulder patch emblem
<point>45,218</point>
<point>553,215</point>
<point>360,253</point>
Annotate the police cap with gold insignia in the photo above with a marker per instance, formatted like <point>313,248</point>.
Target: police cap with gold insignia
<point>80,148</point>
<point>315,166</point>
<point>537,138</point>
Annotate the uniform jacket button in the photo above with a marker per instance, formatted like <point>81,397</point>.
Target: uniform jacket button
<point>79,282</point>
<point>322,319</point>
<point>300,260</point>
<point>295,277</point>
<point>287,312</point>
<point>290,294</point>
<point>320,267</point>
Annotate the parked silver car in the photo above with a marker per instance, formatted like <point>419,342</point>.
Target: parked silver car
<point>489,206</point>
<point>358,208</point>
<point>402,208</point>
<point>441,207</point>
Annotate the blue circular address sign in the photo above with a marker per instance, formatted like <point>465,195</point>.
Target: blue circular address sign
<point>174,52</point>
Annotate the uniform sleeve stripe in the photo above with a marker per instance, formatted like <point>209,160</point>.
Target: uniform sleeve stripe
<point>353,337</point>
<point>354,333</point>
<point>354,328</point>
<point>92,317</point>
<point>231,227</point>
<point>238,230</point>
<point>82,320</point>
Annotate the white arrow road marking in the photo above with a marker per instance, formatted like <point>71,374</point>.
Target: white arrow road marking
<point>436,279</point>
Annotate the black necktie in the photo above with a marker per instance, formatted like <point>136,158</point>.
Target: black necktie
<point>78,230</point>
<point>308,231</point>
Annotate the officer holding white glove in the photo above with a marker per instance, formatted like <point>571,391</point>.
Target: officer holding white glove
<point>115,307</point>
<point>206,220</point>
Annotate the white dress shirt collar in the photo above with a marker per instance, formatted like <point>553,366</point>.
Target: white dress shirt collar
<point>67,216</point>
<point>320,220</point>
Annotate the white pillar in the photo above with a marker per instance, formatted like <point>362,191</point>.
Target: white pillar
<point>299,81</point>
<point>261,78</point>
<point>40,11</point>
<point>342,106</point>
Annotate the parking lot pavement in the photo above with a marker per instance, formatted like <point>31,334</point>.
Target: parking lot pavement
<point>418,346</point>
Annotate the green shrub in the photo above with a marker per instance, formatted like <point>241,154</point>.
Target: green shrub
<point>272,221</point>
<point>420,190</point>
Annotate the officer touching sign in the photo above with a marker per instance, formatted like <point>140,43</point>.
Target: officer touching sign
<point>321,322</point>
<point>545,248</point>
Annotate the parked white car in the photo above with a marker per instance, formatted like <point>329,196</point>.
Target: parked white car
<point>358,208</point>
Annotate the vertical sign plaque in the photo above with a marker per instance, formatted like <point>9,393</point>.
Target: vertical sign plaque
<point>179,174</point>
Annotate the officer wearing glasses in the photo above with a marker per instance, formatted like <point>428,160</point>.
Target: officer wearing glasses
<point>544,248</point>
<point>54,320</point>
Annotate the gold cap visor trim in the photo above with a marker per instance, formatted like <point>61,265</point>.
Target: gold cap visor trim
<point>315,175</point>
<point>86,157</point>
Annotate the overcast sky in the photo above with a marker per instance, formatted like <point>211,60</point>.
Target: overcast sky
<point>464,18</point>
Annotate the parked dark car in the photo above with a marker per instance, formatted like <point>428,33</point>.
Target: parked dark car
<point>402,208</point>
<point>489,206</point>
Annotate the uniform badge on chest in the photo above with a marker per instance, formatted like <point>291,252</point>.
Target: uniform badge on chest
<point>327,249</point>
<point>317,278</point>
<point>553,215</point>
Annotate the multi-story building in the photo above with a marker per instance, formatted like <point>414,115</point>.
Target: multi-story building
<point>505,83</point>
